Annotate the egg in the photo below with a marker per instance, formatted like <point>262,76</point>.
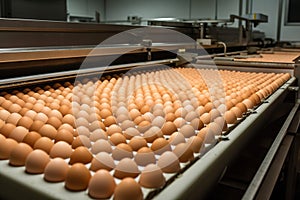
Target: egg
<point>168,162</point>
<point>101,185</point>
<point>6,147</point>
<point>121,151</point>
<point>36,125</point>
<point>160,145</point>
<point>131,132</point>
<point>113,129</point>
<point>7,129</point>
<point>19,154</point>
<point>31,138</point>
<point>176,138</point>
<point>36,162</point>
<point>168,128</point>
<point>77,177</point>
<point>187,130</point>
<point>144,156</point>
<point>158,121</point>
<point>137,142</point>
<point>153,133</point>
<point>126,168</point>
<point>102,161</point>
<point>152,177</point>
<point>101,145</point>
<point>44,143</point>
<point>128,189</point>
<point>48,131</point>
<point>81,140</point>
<point>54,121</point>
<point>18,133</point>
<point>56,170</point>
<point>238,113</point>
<point>64,135</point>
<point>230,117</point>
<point>81,155</point>
<point>14,118</point>
<point>195,143</point>
<point>117,138</point>
<point>98,134</point>
<point>61,149</point>
<point>183,152</point>
<point>26,122</point>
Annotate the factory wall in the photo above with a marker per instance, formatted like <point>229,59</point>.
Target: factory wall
<point>86,8</point>
<point>120,9</point>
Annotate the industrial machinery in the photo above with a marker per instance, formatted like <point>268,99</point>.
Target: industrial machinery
<point>245,161</point>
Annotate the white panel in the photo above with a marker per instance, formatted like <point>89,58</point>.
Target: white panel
<point>204,9</point>
<point>289,33</point>
<point>77,7</point>
<point>95,5</point>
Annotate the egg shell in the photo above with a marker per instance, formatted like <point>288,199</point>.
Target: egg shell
<point>195,143</point>
<point>18,133</point>
<point>7,129</point>
<point>158,121</point>
<point>176,138</point>
<point>144,156</point>
<point>98,134</point>
<point>126,168</point>
<point>26,122</point>
<point>137,142</point>
<point>122,151</point>
<point>56,170</point>
<point>81,155</point>
<point>81,140</point>
<point>44,143</point>
<point>48,131</point>
<point>152,134</point>
<point>168,162</point>
<point>168,128</point>
<point>61,149</point>
<point>230,117</point>
<point>101,185</point>
<point>31,138</point>
<point>83,130</point>
<point>152,177</point>
<point>102,161</point>
<point>4,114</point>
<point>36,125</point>
<point>14,118</point>
<point>183,152</point>
<point>113,129</point>
<point>197,124</point>
<point>36,162</point>
<point>128,189</point>
<point>6,146</point>
<point>54,121</point>
<point>101,145</point>
<point>160,145</point>
<point>78,177</point>
<point>131,132</point>
<point>19,154</point>
<point>64,135</point>
<point>187,130</point>
<point>117,138</point>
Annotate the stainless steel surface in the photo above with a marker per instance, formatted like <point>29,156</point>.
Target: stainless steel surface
<point>263,169</point>
<point>197,181</point>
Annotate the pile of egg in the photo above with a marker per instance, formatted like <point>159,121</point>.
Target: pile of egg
<point>119,135</point>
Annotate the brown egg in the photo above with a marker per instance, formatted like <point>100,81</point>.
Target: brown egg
<point>144,156</point>
<point>187,130</point>
<point>56,170</point>
<point>128,189</point>
<point>143,126</point>
<point>31,114</point>
<point>36,161</point>
<point>54,121</point>
<point>101,185</point>
<point>14,108</point>
<point>169,128</point>
<point>152,177</point>
<point>197,124</point>
<point>98,134</point>
<point>25,122</point>
<point>81,155</point>
<point>168,162</point>
<point>113,129</point>
<point>61,149</point>
<point>81,140</point>
<point>110,120</point>
<point>183,152</point>
<point>238,113</point>
<point>7,129</point>
<point>48,131</point>
<point>206,118</point>
<point>160,145</point>
<point>179,122</point>
<point>78,177</point>
<point>64,110</point>
<point>126,168</point>
<point>36,125</point>
<point>69,119</point>
<point>249,104</point>
<point>131,132</point>
<point>242,107</point>
<point>117,138</point>
<point>18,133</point>
<point>4,114</point>
<point>153,133</point>
<point>230,117</point>
<point>122,151</point>
<point>195,143</point>
<point>101,146</point>
<point>64,135</point>
<point>19,154</point>
<point>102,161</point>
<point>137,142</point>
<point>14,118</point>
<point>6,147</point>
<point>104,113</point>
<point>176,138</point>
<point>31,138</point>
<point>44,144</point>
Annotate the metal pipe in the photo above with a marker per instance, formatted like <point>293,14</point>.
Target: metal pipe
<point>247,7</point>
<point>279,19</point>
<point>216,9</point>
